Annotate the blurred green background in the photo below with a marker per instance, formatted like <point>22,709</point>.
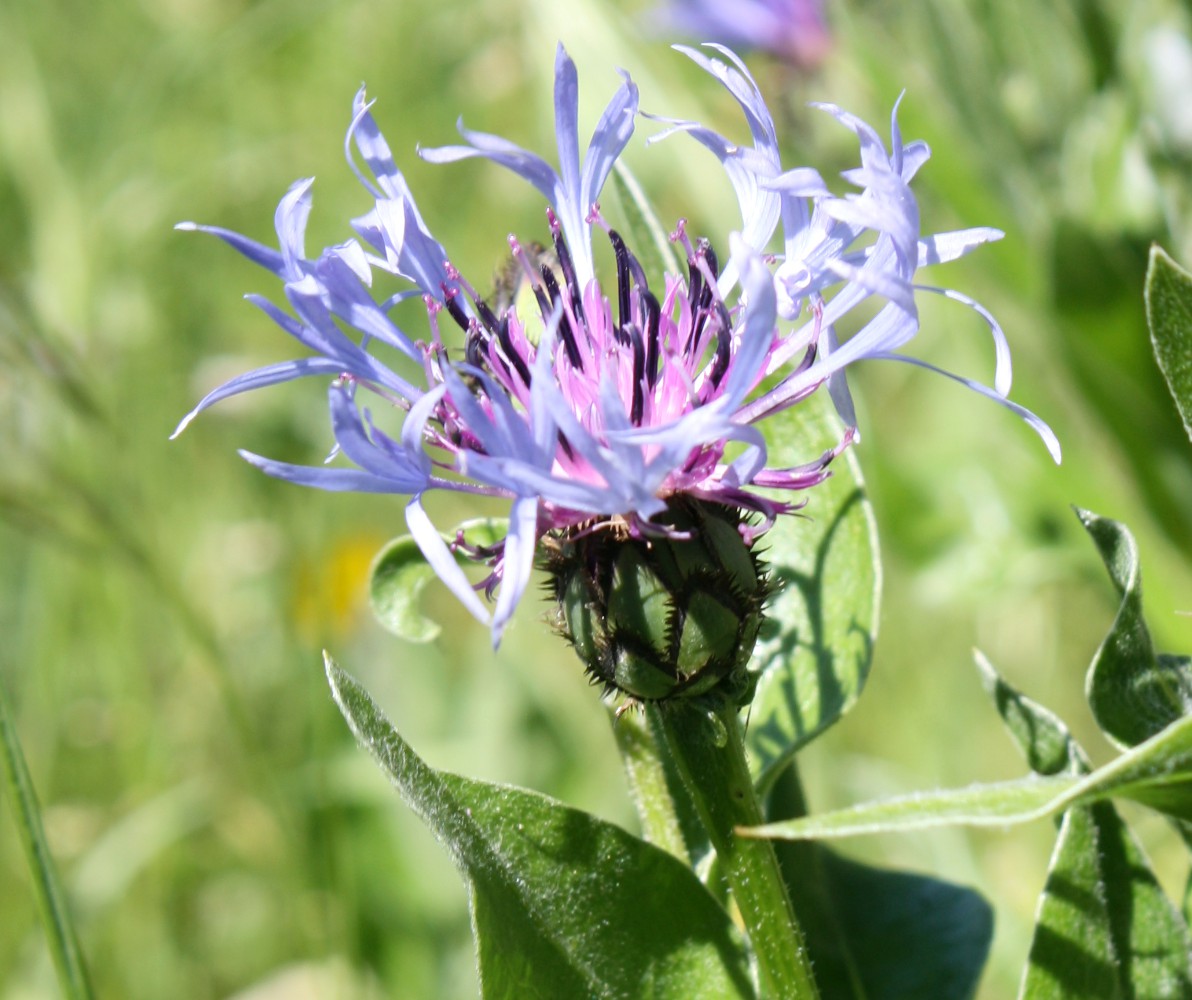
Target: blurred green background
<point>163,605</point>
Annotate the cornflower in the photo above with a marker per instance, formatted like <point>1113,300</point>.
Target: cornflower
<point>605,411</point>
<point>795,31</point>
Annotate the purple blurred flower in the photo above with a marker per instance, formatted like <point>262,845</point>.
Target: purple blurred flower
<point>593,408</point>
<point>795,31</point>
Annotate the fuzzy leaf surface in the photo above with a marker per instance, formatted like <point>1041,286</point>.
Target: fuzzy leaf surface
<point>1105,929</point>
<point>1133,691</point>
<point>816,644</point>
<point>1157,773</point>
<point>1041,735</point>
<point>1169,316</point>
<point>877,934</point>
<point>563,904</point>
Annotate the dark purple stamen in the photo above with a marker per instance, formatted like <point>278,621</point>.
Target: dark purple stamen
<point>711,258</point>
<point>699,295</point>
<point>635,268</point>
<point>623,284</point>
<point>475,344</point>
<point>695,284</point>
<point>653,313</point>
<point>567,266</point>
<point>565,328</point>
<point>637,407</point>
<point>487,316</point>
<point>724,344</point>
<point>511,354</point>
<point>454,308</point>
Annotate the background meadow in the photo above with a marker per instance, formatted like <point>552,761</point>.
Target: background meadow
<point>163,605</point>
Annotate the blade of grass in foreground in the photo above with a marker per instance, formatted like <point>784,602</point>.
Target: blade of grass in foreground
<point>51,901</point>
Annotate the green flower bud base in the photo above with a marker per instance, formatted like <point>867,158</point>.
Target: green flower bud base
<point>659,618</point>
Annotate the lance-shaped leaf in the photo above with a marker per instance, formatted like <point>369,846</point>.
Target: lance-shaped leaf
<point>1169,316</point>
<point>890,935</point>
<point>1104,928</point>
<point>1041,735</point>
<point>816,645</point>
<point>400,572</point>
<point>876,934</point>
<point>643,229</point>
<point>1134,692</point>
<point>1157,773</point>
<point>563,904</point>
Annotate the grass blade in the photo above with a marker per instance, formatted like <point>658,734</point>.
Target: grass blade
<point>51,901</point>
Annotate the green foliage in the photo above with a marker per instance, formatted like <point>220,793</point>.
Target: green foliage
<point>1157,773</point>
<point>1041,735</point>
<point>1169,315</point>
<point>644,230</point>
<point>876,934</point>
<point>400,573</point>
<point>563,905</point>
<point>51,900</point>
<point>815,648</point>
<point>706,746</point>
<point>1133,691</point>
<point>1104,928</point>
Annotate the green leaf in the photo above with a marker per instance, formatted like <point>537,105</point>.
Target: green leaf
<point>1157,773</point>
<point>1040,734</point>
<point>400,573</point>
<point>51,900</point>
<point>999,804</point>
<point>563,904</point>
<point>875,934</point>
<point>646,235</point>
<point>1105,929</point>
<point>1169,316</point>
<point>1133,692</point>
<point>815,648</point>
<point>910,936</point>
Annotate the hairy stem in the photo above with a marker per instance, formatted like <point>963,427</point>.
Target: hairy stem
<point>707,746</point>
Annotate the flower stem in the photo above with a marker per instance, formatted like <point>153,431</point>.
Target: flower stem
<point>645,769</point>
<point>706,744</point>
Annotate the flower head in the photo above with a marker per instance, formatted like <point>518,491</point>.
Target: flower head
<point>605,402</point>
<point>795,31</point>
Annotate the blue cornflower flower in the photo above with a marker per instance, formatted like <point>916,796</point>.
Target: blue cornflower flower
<point>601,409</point>
<point>795,31</point>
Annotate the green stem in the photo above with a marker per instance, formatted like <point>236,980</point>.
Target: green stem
<point>648,785</point>
<point>707,745</point>
<point>51,901</point>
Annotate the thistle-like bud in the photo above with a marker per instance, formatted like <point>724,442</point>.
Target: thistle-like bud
<point>663,617</point>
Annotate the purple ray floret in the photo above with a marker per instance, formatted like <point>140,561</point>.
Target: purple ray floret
<point>608,395</point>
